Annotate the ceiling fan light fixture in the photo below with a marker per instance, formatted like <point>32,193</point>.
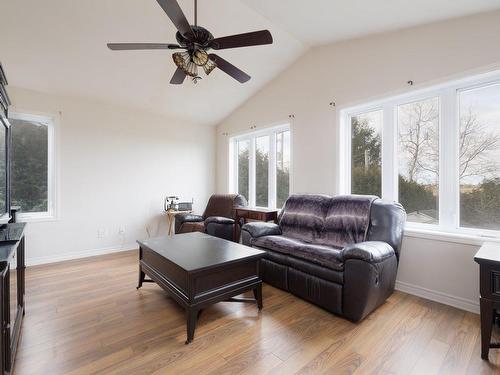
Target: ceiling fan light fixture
<point>184,62</point>
<point>200,57</point>
<point>209,67</point>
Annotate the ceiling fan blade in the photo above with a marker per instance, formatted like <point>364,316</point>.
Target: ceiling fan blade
<point>140,46</point>
<point>178,78</point>
<point>174,12</point>
<point>255,38</point>
<point>229,69</point>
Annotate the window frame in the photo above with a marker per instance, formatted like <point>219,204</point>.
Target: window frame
<point>271,132</point>
<point>49,121</point>
<point>449,132</point>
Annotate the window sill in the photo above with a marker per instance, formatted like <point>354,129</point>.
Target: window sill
<point>461,238</point>
<point>36,218</point>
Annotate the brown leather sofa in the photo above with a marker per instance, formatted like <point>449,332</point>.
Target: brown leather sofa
<point>340,253</point>
<point>217,220</point>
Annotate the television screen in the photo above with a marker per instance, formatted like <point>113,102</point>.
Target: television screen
<point>3,170</point>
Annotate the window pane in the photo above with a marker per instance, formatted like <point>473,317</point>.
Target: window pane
<point>479,150</point>
<point>29,166</point>
<point>282,167</point>
<point>262,171</point>
<point>243,168</point>
<point>366,159</point>
<point>418,124</point>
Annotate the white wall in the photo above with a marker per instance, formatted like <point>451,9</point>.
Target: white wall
<point>357,71</point>
<point>114,168</point>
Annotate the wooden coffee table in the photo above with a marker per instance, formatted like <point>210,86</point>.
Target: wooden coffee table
<point>198,270</point>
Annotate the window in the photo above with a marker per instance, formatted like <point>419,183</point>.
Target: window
<point>479,153</point>
<point>243,167</point>
<point>366,158</point>
<point>32,172</point>
<point>418,159</point>
<point>282,167</point>
<point>436,151</point>
<point>262,166</point>
<point>262,171</point>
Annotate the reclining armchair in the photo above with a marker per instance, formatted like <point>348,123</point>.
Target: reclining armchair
<point>217,220</point>
<point>340,253</point>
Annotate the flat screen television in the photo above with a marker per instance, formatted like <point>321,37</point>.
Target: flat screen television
<point>4,170</point>
<point>4,150</point>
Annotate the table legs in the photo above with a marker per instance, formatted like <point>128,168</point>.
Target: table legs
<point>142,276</point>
<point>193,313</point>
<point>486,307</point>
<point>192,318</point>
<point>170,220</point>
<point>257,292</point>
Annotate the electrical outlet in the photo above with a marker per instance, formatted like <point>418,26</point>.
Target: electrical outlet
<point>101,233</point>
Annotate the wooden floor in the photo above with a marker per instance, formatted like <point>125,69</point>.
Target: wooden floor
<point>85,317</point>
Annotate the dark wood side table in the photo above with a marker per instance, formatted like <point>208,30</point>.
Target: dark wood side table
<point>252,213</point>
<point>488,258</point>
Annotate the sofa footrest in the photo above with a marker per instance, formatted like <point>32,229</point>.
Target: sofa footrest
<point>274,274</point>
<point>323,293</point>
<point>313,289</point>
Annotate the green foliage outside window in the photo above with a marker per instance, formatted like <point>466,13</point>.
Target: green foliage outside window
<point>261,178</point>
<point>479,203</point>
<point>29,166</point>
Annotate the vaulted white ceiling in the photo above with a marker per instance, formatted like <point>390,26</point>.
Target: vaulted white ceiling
<point>59,46</point>
<point>325,21</point>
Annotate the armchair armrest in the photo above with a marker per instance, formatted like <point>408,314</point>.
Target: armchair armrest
<point>369,251</point>
<point>218,220</point>
<point>184,218</point>
<point>259,229</point>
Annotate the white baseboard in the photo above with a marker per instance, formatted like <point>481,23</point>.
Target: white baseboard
<point>447,299</point>
<point>33,261</point>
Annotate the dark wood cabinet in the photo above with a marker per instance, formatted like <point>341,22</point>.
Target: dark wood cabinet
<point>488,258</point>
<point>12,290</point>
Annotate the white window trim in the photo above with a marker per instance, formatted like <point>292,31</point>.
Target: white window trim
<point>449,194</point>
<point>51,122</point>
<point>251,137</point>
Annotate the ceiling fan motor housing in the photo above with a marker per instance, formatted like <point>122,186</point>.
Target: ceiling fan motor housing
<point>201,37</point>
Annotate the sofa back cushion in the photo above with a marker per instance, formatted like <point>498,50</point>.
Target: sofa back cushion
<point>303,216</point>
<point>223,205</point>
<point>347,220</point>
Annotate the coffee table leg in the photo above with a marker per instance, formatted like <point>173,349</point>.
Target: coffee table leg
<point>142,276</point>
<point>257,292</point>
<point>192,317</point>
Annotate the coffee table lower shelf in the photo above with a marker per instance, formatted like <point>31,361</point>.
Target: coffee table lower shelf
<point>197,290</point>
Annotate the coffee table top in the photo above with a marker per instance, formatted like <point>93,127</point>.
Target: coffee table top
<point>196,251</point>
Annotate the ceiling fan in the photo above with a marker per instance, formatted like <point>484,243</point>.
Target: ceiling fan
<point>196,41</point>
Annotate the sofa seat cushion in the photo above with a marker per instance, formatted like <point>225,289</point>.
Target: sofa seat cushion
<point>325,256</point>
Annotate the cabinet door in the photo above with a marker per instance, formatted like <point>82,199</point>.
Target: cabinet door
<point>4,338</point>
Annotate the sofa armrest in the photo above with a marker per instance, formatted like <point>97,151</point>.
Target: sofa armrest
<point>259,229</point>
<point>369,251</point>
<point>184,218</point>
<point>218,220</point>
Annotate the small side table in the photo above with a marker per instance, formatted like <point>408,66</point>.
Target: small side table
<point>252,213</point>
<point>171,214</point>
<point>488,258</point>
